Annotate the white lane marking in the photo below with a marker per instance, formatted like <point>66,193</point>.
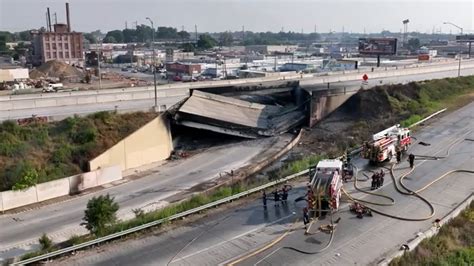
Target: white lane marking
<point>235,237</point>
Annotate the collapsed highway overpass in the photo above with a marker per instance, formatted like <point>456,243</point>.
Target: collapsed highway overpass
<point>237,117</point>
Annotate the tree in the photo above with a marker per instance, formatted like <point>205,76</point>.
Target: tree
<point>90,37</point>
<point>184,35</point>
<point>45,242</point>
<point>101,212</point>
<point>188,47</point>
<point>144,33</point>
<point>206,41</point>
<point>117,35</point>
<point>110,39</point>
<point>226,39</point>
<point>129,35</point>
<point>413,44</point>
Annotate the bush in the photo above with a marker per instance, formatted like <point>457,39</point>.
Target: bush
<point>62,154</point>
<point>410,121</point>
<point>26,175</point>
<point>100,213</point>
<point>45,242</point>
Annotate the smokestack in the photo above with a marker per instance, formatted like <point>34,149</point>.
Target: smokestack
<point>49,21</point>
<point>67,17</point>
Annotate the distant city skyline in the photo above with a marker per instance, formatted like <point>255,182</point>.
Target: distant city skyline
<point>255,15</point>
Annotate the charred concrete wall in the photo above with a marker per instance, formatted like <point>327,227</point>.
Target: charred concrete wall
<point>323,103</point>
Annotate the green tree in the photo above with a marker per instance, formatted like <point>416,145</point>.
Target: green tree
<point>24,35</point>
<point>110,39</point>
<point>3,43</point>
<point>129,35</point>
<point>167,33</point>
<point>90,37</point>
<point>101,212</point>
<point>45,242</point>
<point>226,39</point>
<point>188,47</point>
<point>144,33</point>
<point>184,35</point>
<point>117,35</point>
<point>413,44</point>
<point>206,41</point>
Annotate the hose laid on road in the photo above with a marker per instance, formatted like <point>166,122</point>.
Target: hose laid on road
<point>410,192</point>
<point>331,238</point>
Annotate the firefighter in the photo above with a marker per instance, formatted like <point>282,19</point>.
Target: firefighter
<point>264,199</point>
<point>284,194</point>
<point>276,197</point>
<point>374,181</point>
<point>399,155</point>
<point>305,218</point>
<point>411,159</point>
<point>381,179</point>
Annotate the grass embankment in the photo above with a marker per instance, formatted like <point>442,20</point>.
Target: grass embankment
<point>431,96</point>
<point>40,152</point>
<point>453,245</point>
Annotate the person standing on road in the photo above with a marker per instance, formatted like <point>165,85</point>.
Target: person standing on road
<point>276,197</point>
<point>305,218</point>
<point>399,155</point>
<point>264,199</point>
<point>411,159</point>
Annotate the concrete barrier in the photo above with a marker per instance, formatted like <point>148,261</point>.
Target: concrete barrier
<point>150,143</point>
<point>14,199</point>
<point>52,189</point>
<point>88,180</point>
<point>58,188</point>
<point>108,175</point>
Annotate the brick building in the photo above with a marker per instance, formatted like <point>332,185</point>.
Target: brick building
<point>61,44</point>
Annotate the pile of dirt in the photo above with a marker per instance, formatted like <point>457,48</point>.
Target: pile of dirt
<point>36,74</point>
<point>58,69</point>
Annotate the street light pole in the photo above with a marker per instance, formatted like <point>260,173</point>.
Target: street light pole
<point>154,61</point>
<point>460,52</point>
<point>98,64</point>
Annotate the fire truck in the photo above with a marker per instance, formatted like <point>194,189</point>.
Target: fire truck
<point>385,144</point>
<point>324,190</point>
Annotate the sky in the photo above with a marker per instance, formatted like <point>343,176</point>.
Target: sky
<point>255,15</point>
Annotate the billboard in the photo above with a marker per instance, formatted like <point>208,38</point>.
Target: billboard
<point>378,46</point>
<point>465,38</point>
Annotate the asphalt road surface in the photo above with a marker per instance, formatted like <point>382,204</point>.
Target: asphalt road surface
<point>134,105</point>
<point>19,232</point>
<point>250,235</point>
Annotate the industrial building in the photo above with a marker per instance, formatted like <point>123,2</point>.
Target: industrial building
<point>58,42</point>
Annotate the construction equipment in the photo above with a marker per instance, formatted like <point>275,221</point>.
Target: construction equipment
<point>324,190</point>
<point>385,144</point>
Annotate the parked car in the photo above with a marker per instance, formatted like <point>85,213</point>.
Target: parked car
<point>124,69</point>
<point>177,78</point>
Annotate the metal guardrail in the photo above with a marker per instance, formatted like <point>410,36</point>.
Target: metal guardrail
<point>158,222</point>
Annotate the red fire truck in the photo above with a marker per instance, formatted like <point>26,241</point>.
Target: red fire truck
<point>325,186</point>
<point>385,144</point>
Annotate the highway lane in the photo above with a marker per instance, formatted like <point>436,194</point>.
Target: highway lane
<point>20,231</point>
<point>238,233</point>
<point>57,113</point>
<point>168,97</point>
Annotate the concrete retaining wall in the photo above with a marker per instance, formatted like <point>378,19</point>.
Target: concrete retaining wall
<point>151,143</point>
<point>58,188</point>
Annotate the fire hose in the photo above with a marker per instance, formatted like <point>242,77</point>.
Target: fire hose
<point>406,190</point>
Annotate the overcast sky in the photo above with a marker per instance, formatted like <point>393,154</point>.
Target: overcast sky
<point>255,15</point>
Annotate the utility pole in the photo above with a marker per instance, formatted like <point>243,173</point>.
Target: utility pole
<point>243,33</point>
<point>126,25</point>
<point>55,18</point>
<point>460,47</point>
<point>98,64</point>
<point>154,61</point>
<point>196,32</point>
